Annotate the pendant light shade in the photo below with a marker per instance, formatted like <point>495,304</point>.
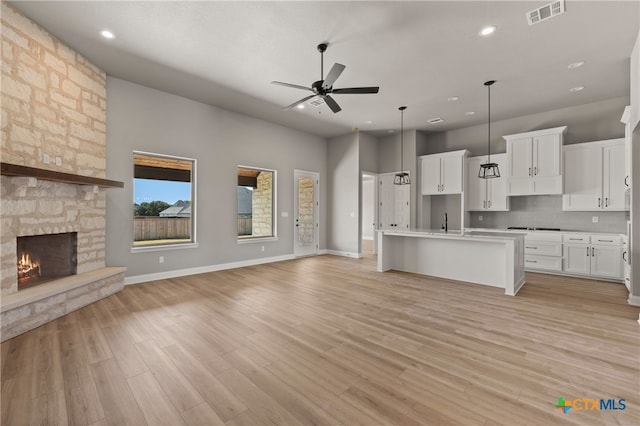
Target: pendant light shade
<point>402,177</point>
<point>489,170</point>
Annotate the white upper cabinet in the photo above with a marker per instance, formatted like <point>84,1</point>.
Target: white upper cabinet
<point>594,176</point>
<point>534,162</point>
<point>443,173</point>
<point>486,194</point>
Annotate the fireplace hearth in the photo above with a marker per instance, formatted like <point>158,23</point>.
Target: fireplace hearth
<point>42,258</point>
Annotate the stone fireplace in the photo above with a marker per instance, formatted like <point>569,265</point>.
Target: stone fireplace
<point>43,258</point>
<point>52,188</point>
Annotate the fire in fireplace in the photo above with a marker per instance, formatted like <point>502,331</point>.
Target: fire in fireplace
<point>43,258</point>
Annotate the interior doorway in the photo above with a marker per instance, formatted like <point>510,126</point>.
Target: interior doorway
<point>369,196</point>
<point>306,204</point>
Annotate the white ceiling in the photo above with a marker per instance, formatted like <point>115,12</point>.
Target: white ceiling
<point>419,53</point>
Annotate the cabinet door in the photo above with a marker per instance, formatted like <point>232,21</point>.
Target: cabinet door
<point>606,261</point>
<point>520,168</point>
<point>582,178</point>
<point>431,175</point>
<point>451,171</point>
<point>613,176</point>
<point>577,258</point>
<point>547,170</point>
<point>497,198</point>
<point>386,198</point>
<point>402,209</point>
<point>476,189</point>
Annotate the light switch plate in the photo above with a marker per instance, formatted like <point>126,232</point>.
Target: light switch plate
<point>594,219</point>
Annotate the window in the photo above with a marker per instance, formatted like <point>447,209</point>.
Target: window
<point>163,200</point>
<point>256,204</point>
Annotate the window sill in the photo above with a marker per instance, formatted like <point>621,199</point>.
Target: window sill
<point>164,247</point>
<point>256,240</point>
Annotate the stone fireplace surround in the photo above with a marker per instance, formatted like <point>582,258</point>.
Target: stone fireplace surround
<point>53,118</point>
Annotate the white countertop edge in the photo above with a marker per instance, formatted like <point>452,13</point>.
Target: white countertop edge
<point>456,235</point>
<point>525,231</point>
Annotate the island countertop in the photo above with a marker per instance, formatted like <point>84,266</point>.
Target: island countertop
<point>491,258</point>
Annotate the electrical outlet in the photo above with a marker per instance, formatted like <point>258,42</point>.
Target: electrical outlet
<point>45,158</point>
<point>262,248</point>
<point>161,259</point>
<point>58,161</point>
<point>480,218</point>
<point>594,219</point>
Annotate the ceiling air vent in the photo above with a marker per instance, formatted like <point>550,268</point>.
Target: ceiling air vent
<point>435,120</point>
<point>545,12</point>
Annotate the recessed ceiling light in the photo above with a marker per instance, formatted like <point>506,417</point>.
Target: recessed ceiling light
<point>575,65</point>
<point>469,113</point>
<point>435,120</point>
<point>107,34</point>
<point>453,98</point>
<point>368,122</point>
<point>576,89</point>
<point>301,106</point>
<point>487,30</point>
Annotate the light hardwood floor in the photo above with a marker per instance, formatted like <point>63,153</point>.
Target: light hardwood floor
<point>328,341</point>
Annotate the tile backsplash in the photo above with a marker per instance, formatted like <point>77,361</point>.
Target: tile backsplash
<point>546,211</point>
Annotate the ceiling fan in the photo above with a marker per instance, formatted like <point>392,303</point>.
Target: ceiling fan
<point>323,88</point>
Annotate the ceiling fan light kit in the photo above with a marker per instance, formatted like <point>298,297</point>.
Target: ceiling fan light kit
<point>324,88</point>
<point>489,170</point>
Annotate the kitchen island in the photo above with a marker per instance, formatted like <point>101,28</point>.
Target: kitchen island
<point>489,258</point>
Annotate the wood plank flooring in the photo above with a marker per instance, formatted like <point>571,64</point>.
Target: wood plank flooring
<point>329,341</point>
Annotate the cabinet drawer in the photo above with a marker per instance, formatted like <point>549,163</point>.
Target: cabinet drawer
<point>543,263</point>
<point>543,248</point>
<point>609,240</point>
<point>576,238</point>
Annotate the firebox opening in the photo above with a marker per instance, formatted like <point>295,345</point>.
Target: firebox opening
<point>43,258</point>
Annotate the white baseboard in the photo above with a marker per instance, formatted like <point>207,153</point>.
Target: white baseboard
<point>634,301</point>
<point>323,251</point>
<point>345,254</point>
<point>137,279</point>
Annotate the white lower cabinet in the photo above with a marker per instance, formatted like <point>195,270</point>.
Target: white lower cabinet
<point>394,203</point>
<point>543,251</point>
<point>593,255</point>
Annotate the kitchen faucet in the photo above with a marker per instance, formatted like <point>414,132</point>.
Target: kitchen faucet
<point>446,224</point>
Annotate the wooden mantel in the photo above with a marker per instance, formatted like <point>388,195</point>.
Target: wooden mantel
<point>8,169</point>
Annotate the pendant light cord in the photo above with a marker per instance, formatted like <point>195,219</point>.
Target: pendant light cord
<point>401,140</point>
<point>489,125</point>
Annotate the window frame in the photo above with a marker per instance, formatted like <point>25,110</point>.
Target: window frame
<point>193,243</point>
<point>274,207</point>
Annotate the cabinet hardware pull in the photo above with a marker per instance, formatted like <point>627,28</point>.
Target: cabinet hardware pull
<point>624,256</point>
<point>605,241</point>
<point>598,201</point>
<point>484,204</point>
<point>606,202</point>
<point>529,171</point>
<point>489,203</point>
<point>575,239</point>
<point>531,261</point>
<point>529,247</point>
<point>593,251</point>
<point>587,251</point>
<point>625,181</point>
<point>535,170</point>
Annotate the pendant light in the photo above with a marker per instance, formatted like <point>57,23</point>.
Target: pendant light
<point>489,170</point>
<point>402,177</point>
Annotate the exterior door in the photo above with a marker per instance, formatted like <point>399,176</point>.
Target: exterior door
<point>306,206</point>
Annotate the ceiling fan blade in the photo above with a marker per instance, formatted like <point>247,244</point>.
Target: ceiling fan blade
<point>301,101</point>
<point>333,75</point>
<point>356,90</point>
<point>332,104</point>
<point>295,86</point>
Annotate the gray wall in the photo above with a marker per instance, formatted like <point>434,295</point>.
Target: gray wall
<point>139,118</point>
<point>586,123</point>
<point>343,187</point>
<point>546,211</point>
